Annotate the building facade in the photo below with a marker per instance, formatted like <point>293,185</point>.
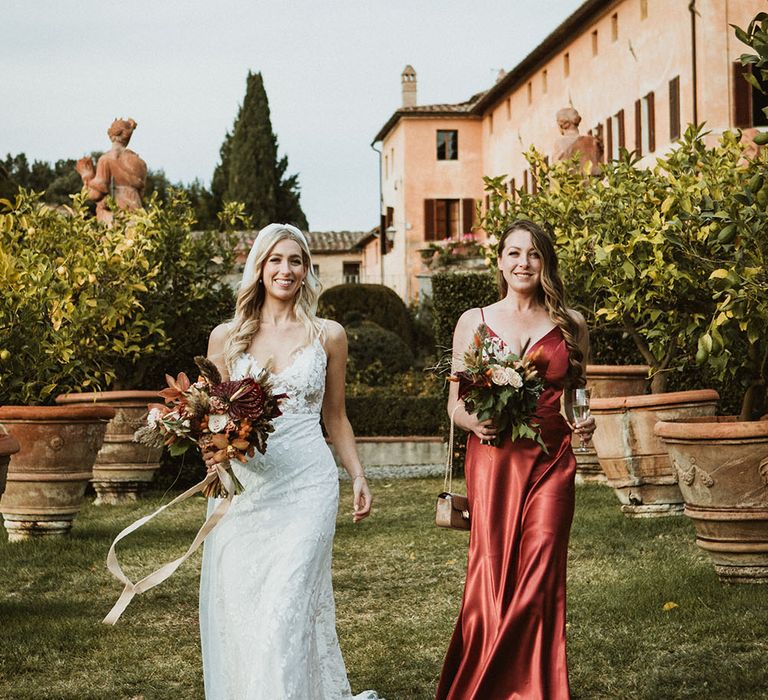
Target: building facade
<point>637,71</point>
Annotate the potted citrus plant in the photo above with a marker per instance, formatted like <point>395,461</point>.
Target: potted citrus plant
<point>186,299</point>
<point>722,462</point>
<point>69,311</point>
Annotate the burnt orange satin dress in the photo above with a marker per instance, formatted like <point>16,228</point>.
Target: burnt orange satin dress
<point>509,641</point>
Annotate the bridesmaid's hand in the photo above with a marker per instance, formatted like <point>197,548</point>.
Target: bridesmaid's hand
<point>362,499</point>
<point>485,430</point>
<point>585,428</point>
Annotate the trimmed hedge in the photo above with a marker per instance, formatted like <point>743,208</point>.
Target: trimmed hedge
<point>452,294</point>
<point>385,412</point>
<point>375,351</point>
<point>372,302</point>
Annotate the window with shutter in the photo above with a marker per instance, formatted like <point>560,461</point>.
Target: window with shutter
<point>390,216</point>
<point>525,181</point>
<point>620,121</point>
<point>467,215</point>
<point>430,234</point>
<point>639,128</point>
<point>609,139</point>
<point>674,108</point>
<point>650,110</point>
<point>446,218</point>
<point>742,98</point>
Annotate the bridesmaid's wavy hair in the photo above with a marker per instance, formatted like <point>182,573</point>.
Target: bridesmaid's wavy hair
<point>551,293</point>
<point>251,294</point>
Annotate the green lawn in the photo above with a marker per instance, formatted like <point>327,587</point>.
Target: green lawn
<point>397,594</point>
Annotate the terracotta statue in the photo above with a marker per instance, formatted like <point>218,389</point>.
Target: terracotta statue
<point>571,142</point>
<point>119,173</point>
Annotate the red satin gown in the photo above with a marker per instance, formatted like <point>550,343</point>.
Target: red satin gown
<point>509,641</point>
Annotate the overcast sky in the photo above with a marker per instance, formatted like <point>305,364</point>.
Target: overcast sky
<point>331,69</point>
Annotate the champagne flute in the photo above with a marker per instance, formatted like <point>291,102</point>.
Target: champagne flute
<point>580,408</point>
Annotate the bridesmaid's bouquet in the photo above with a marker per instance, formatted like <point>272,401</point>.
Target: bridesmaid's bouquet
<point>231,419</point>
<point>500,385</point>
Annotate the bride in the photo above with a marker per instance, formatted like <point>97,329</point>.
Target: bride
<point>267,614</point>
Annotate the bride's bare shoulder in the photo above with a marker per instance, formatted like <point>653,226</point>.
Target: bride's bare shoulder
<point>218,337</point>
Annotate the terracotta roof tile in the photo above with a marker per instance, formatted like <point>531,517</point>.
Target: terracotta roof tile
<point>337,241</point>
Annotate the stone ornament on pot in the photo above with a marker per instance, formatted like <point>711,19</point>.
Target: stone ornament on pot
<point>8,446</point>
<point>634,460</point>
<point>48,475</point>
<point>722,466</point>
<point>123,468</point>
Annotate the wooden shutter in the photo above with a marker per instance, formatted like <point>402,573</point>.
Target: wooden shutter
<point>674,108</point>
<point>608,140</point>
<point>620,119</point>
<point>639,127</point>
<point>651,99</point>
<point>467,215</point>
<point>390,216</point>
<point>513,189</point>
<point>429,220</point>
<point>742,97</point>
<point>525,181</point>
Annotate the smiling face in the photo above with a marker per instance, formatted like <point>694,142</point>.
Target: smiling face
<point>283,270</point>
<point>520,263</point>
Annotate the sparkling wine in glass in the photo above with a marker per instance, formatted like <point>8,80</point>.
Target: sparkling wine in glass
<point>580,407</point>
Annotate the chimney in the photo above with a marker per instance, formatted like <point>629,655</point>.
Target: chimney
<point>408,79</point>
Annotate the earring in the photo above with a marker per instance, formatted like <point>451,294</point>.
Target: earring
<point>303,283</point>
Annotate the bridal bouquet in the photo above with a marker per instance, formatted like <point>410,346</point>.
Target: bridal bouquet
<point>230,419</point>
<point>500,385</point>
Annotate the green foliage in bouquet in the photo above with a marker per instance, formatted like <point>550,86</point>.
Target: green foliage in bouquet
<point>501,386</point>
<point>71,306</point>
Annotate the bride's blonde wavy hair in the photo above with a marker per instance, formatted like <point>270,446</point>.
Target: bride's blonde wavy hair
<point>251,294</point>
<point>551,293</point>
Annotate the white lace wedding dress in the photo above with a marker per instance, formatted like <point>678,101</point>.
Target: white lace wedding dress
<point>267,614</point>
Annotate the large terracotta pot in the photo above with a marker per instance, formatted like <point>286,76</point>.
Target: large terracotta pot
<point>123,468</point>
<point>634,460</point>
<point>8,446</point>
<point>607,381</point>
<point>48,475</point>
<point>722,467</point>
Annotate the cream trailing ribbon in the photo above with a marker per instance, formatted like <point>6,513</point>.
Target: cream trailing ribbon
<point>131,589</point>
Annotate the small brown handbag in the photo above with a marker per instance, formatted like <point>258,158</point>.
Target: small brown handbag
<point>452,509</point>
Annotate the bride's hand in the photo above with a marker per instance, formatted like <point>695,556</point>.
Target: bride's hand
<point>362,498</point>
<point>210,462</point>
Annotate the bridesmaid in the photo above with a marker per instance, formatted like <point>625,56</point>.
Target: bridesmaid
<point>509,641</point>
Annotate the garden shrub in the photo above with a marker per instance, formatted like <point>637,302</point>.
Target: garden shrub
<point>376,354</point>
<point>190,297</point>
<point>452,294</point>
<point>387,411</point>
<point>374,302</point>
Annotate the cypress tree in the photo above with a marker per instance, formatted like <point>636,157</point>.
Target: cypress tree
<point>250,167</point>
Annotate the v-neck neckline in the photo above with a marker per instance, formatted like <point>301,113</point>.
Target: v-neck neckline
<point>296,355</point>
<point>530,347</point>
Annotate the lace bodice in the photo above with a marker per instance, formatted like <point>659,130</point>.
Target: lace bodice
<point>303,379</point>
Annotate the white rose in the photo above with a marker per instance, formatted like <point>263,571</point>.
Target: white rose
<point>154,416</point>
<point>217,422</point>
<point>499,375</point>
<point>513,378</point>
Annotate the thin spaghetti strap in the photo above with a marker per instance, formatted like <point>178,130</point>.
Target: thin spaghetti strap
<point>482,314</point>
